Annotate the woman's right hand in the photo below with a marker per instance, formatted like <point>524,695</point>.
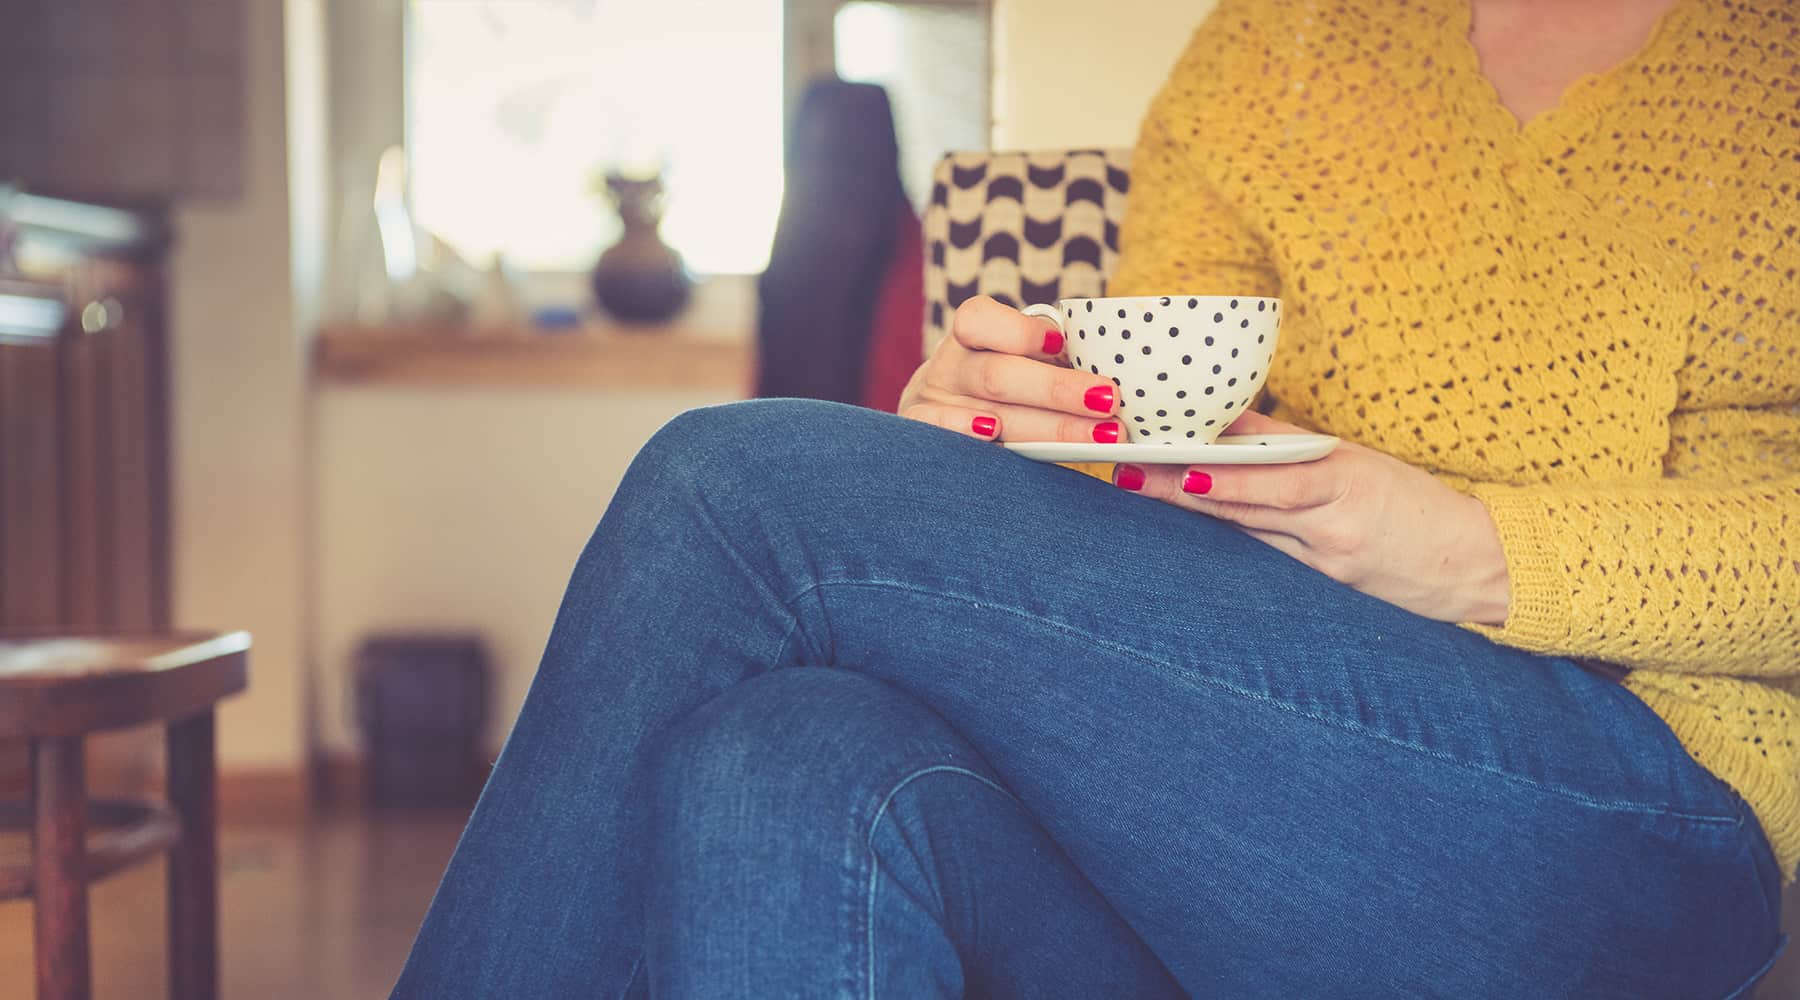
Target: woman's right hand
<point>998,375</point>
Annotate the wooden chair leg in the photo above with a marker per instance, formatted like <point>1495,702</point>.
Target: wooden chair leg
<point>59,868</point>
<point>194,862</point>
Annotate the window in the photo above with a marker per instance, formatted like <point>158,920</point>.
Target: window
<point>515,106</point>
<point>933,60</point>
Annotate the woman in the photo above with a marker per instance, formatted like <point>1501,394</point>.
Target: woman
<point>1538,260</point>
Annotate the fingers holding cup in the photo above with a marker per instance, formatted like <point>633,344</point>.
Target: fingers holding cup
<point>983,324</point>
<point>968,421</point>
<point>1008,378</point>
<point>988,422</point>
<point>1186,366</point>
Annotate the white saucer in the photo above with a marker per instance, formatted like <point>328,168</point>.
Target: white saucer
<point>1239,449</point>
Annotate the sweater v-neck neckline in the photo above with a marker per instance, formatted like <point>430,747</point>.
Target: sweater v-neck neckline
<point>1584,97</point>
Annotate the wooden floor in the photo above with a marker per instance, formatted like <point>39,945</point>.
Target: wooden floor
<point>328,910</point>
<point>324,910</point>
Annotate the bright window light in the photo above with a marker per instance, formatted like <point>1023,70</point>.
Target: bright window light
<point>868,42</point>
<point>933,60</point>
<point>515,106</point>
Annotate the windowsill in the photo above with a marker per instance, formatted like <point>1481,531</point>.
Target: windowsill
<point>709,346</point>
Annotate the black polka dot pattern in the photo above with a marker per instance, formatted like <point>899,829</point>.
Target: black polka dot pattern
<point>1209,373</point>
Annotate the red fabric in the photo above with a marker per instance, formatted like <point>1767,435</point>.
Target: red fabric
<point>897,326</point>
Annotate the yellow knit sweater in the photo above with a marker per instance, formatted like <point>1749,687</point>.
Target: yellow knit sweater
<point>1591,323</point>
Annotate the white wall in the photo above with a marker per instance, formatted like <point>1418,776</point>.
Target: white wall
<point>1075,73</point>
<point>237,372</point>
<point>366,114</point>
<point>309,140</point>
<point>461,509</point>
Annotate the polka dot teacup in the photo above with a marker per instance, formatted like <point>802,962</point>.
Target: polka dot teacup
<point>1186,365</point>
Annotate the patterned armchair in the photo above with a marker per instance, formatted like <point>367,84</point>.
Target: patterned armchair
<point>1021,227</point>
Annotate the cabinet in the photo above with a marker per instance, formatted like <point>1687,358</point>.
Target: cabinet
<point>31,513</point>
<point>83,454</point>
<point>82,469</point>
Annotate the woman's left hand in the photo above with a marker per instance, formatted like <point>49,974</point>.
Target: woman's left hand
<point>1359,516</point>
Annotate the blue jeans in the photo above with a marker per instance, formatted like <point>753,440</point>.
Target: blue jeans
<point>1056,740</point>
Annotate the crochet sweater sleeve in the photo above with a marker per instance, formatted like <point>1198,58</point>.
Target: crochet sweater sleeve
<point>1666,575</point>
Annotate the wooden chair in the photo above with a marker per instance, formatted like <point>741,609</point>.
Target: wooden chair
<point>54,690</point>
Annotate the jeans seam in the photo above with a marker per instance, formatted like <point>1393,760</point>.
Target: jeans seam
<point>1214,682</point>
<point>763,588</point>
<point>1744,990</point>
<point>631,977</point>
<point>875,866</point>
<point>1753,842</point>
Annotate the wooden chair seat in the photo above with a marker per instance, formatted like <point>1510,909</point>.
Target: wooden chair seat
<point>67,685</point>
<point>54,690</point>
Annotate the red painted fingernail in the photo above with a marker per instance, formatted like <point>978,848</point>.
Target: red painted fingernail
<point>984,426</point>
<point>1107,433</point>
<point>1099,399</point>
<point>1196,482</point>
<point>1053,341</point>
<point>1128,477</point>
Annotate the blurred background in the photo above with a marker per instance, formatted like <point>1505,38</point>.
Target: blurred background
<point>338,321</point>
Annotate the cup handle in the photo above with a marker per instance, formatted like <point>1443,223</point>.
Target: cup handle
<point>1052,314</point>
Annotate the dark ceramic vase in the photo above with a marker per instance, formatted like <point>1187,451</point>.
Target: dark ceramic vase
<point>640,279</point>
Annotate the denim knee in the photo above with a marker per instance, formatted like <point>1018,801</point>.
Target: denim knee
<point>800,748</point>
<point>753,431</point>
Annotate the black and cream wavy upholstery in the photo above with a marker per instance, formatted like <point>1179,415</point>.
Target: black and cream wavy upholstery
<point>1021,227</point>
